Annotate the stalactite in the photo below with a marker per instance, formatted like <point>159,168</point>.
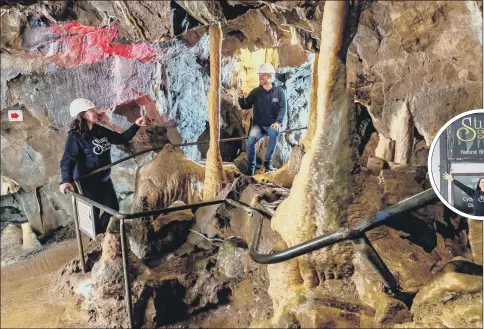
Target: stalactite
<point>402,133</point>
<point>214,173</point>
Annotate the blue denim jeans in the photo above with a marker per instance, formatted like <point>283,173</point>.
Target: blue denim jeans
<point>255,134</point>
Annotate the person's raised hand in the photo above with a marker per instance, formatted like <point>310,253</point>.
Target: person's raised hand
<point>276,126</point>
<point>66,186</point>
<point>141,121</point>
<point>240,92</point>
<point>448,177</point>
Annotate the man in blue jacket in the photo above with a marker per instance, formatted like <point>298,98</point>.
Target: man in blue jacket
<point>269,104</point>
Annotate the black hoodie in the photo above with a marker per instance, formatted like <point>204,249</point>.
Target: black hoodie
<point>269,105</point>
<point>476,195</point>
<point>85,154</point>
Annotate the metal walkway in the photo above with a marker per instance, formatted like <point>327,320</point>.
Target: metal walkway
<point>355,232</point>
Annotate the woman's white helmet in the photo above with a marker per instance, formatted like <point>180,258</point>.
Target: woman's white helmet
<point>267,68</point>
<point>80,105</point>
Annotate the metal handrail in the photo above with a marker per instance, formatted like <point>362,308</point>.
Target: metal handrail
<point>345,233</point>
<point>173,209</point>
<point>159,148</point>
<point>355,231</point>
<point>122,218</point>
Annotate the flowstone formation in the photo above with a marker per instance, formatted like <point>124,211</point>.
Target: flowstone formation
<point>168,178</point>
<point>338,282</point>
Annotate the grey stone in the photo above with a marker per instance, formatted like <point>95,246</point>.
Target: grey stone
<point>436,72</point>
<point>56,207</point>
<point>230,259</point>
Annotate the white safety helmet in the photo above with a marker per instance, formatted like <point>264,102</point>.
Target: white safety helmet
<point>80,105</point>
<point>267,68</point>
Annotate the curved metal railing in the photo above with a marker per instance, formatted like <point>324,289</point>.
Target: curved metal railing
<point>355,232</point>
<point>345,233</point>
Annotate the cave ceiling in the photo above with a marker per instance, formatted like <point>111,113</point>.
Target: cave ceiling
<point>246,24</point>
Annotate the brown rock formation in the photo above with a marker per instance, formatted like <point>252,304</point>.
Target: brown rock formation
<point>168,178</point>
<point>214,173</point>
<point>321,188</point>
<point>475,239</point>
<point>452,299</point>
<point>313,106</point>
<point>403,53</point>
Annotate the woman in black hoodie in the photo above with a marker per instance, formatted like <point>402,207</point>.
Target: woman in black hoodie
<point>88,147</point>
<point>476,194</point>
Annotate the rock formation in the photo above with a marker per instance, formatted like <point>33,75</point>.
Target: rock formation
<point>168,178</point>
<point>214,173</point>
<point>320,189</point>
<point>378,84</point>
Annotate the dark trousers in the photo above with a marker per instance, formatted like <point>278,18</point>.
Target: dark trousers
<point>104,193</point>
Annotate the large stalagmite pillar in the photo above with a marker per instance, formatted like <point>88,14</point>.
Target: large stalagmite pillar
<point>214,173</point>
<point>321,190</point>
<point>313,106</point>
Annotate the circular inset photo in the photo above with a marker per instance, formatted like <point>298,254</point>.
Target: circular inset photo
<point>456,164</point>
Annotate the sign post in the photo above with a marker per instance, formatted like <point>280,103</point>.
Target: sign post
<point>85,214</point>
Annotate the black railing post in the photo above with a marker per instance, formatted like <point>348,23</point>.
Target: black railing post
<point>78,234</point>
<point>127,281</point>
<point>366,248</point>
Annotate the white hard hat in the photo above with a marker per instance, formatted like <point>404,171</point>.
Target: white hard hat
<point>80,105</point>
<point>267,68</point>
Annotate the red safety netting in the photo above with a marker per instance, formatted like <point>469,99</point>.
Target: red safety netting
<point>73,44</point>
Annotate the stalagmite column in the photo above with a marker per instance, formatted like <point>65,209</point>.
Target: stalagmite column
<point>320,194</point>
<point>214,173</point>
<point>313,105</point>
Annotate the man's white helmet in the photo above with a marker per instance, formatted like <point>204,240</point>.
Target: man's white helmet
<point>267,68</point>
<point>80,105</point>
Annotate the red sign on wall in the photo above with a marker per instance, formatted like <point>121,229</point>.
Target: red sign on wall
<point>15,115</point>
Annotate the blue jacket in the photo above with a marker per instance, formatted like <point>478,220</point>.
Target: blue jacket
<point>83,155</point>
<point>269,105</point>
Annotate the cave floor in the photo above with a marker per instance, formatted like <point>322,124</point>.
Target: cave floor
<point>25,291</point>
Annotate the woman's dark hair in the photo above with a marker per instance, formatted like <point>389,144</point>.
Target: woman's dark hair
<point>79,126</point>
<point>479,182</point>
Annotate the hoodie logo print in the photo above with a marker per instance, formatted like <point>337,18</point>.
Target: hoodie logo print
<point>101,145</point>
<point>481,198</point>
